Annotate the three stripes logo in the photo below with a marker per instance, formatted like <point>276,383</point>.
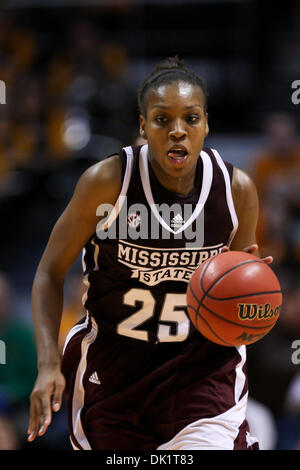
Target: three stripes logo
<point>94,378</point>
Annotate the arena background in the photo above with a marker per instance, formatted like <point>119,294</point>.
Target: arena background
<point>71,70</point>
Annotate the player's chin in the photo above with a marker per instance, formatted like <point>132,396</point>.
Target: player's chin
<point>178,164</point>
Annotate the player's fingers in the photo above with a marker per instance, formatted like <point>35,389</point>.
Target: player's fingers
<point>58,396</point>
<point>268,259</point>
<point>251,249</point>
<point>33,422</point>
<point>45,413</point>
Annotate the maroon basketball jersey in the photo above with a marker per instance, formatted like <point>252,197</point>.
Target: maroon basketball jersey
<point>139,261</point>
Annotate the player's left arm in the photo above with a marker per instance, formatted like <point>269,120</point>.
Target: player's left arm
<point>246,205</point>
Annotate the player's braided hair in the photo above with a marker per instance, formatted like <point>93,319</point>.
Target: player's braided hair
<point>167,71</point>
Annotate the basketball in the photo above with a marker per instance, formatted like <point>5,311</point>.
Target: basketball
<point>234,298</point>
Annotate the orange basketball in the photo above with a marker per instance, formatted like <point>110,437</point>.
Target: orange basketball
<point>234,298</point>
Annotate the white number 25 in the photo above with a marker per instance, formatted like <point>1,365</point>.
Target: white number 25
<point>172,312</point>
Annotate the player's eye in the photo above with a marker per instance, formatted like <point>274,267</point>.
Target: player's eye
<point>161,119</point>
<point>192,118</point>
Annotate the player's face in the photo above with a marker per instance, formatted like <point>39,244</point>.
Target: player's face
<point>175,127</point>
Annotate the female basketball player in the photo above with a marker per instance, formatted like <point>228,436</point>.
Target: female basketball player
<point>136,374</point>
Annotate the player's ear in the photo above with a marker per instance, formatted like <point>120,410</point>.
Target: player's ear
<point>207,126</point>
<point>142,127</point>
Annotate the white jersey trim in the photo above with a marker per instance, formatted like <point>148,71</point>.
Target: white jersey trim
<point>240,375</point>
<point>79,392</point>
<point>86,281</point>
<point>229,198</point>
<point>206,186</point>
<point>74,330</point>
<point>83,260</point>
<point>217,433</point>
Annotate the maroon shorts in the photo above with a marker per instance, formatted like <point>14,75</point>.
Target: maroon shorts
<point>130,395</point>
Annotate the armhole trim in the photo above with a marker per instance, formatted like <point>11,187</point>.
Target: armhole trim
<point>229,197</point>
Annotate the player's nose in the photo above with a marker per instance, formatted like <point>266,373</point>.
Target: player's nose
<point>178,130</point>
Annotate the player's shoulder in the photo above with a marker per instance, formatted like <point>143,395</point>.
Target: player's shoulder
<point>108,169</point>
<point>241,180</point>
<point>101,181</point>
<point>243,187</point>
<point>106,172</point>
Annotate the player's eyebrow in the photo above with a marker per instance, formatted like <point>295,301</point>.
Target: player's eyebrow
<point>193,106</point>
<point>167,107</point>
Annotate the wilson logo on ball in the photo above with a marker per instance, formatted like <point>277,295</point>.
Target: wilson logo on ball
<point>261,312</point>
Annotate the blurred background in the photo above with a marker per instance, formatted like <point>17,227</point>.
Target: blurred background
<point>71,70</point>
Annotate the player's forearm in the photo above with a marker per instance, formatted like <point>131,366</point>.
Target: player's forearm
<point>47,305</point>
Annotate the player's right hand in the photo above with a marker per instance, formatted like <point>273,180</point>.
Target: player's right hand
<point>46,397</point>
<point>251,249</point>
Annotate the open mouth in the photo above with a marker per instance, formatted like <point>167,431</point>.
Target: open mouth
<point>177,154</point>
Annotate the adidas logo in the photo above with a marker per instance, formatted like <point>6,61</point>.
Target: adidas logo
<point>94,378</point>
<point>177,222</point>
